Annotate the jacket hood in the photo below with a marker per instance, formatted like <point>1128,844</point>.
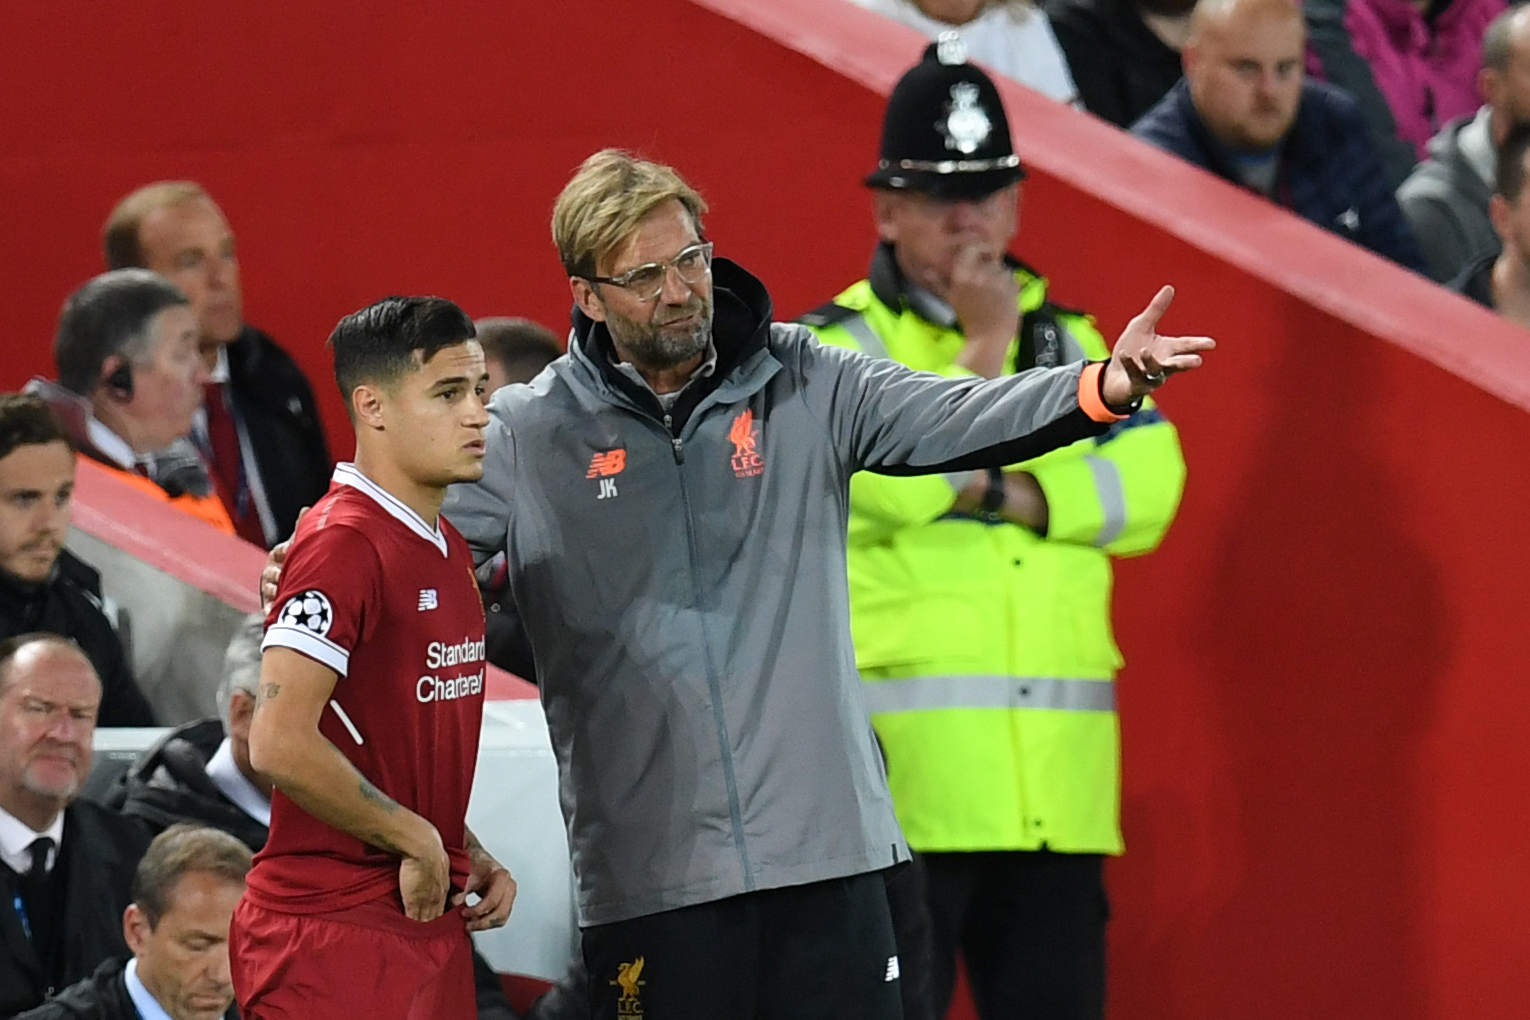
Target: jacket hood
<point>741,312</point>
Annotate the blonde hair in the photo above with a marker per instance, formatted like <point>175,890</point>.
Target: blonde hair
<point>119,238</point>
<point>606,200</point>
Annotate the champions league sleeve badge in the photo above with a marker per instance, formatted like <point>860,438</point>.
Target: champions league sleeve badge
<point>966,126</point>
<point>311,611</point>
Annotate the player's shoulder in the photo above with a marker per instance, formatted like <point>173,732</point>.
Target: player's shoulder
<point>344,517</point>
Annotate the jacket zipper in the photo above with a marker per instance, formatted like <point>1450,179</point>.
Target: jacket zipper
<point>674,441</point>
<point>714,685</point>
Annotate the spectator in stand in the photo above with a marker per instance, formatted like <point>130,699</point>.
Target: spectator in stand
<point>1502,282</point>
<point>259,429</point>
<point>43,586</point>
<point>1011,37</point>
<point>1411,65</point>
<point>1124,55</point>
<point>129,386</point>
<point>66,865</point>
<point>184,893</point>
<point>515,351</point>
<point>1245,112</point>
<point>201,773</point>
<point>1446,198</point>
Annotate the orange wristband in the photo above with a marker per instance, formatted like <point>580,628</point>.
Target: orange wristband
<point>1089,395</point>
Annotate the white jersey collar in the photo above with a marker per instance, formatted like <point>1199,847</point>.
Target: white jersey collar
<point>348,474</point>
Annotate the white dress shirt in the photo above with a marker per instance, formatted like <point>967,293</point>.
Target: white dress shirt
<point>236,786</point>
<point>1012,38</point>
<point>16,839</point>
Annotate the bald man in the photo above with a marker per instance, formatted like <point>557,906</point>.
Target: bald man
<point>66,866</point>
<point>1246,112</point>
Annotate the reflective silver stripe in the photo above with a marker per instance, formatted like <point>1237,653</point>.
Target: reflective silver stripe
<point>951,166</point>
<point>858,327</point>
<point>919,693</point>
<point>1107,483</point>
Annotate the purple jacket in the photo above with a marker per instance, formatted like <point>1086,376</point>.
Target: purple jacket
<point>1427,71</point>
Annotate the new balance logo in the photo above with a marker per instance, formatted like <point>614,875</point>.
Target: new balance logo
<point>892,969</point>
<point>428,599</point>
<point>606,464</point>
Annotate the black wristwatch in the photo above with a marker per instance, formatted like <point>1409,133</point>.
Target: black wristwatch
<point>993,497</point>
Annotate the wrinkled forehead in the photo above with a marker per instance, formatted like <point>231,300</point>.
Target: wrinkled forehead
<point>661,234</point>
<point>52,673</point>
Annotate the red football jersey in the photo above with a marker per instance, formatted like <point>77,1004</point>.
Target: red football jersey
<point>389,603</point>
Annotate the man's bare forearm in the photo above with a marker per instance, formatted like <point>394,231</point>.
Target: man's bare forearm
<point>310,770</point>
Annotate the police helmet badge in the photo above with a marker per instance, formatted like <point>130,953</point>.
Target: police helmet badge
<point>966,126</point>
<point>945,132</point>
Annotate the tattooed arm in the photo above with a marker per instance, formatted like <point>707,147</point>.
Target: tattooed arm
<point>492,882</point>
<point>287,747</point>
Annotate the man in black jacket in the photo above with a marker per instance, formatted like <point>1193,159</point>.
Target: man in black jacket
<point>42,586</point>
<point>1246,112</point>
<point>260,429</point>
<point>66,865</point>
<point>184,893</point>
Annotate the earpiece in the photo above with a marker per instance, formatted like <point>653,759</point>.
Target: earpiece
<point>120,382</point>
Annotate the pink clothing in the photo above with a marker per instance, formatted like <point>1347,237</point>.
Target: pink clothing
<point>1428,73</point>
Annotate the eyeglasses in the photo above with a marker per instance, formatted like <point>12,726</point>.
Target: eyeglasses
<point>646,282</point>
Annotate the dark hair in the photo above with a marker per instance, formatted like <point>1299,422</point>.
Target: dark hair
<point>521,346</point>
<point>12,647</point>
<point>377,344</point>
<point>109,315</point>
<point>25,420</point>
<point>1511,162</point>
<point>178,851</point>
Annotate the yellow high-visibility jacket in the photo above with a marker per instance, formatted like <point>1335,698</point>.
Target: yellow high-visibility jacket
<point>986,649</point>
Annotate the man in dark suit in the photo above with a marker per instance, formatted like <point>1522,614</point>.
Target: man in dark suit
<point>259,430</point>
<point>184,895</point>
<point>66,865</point>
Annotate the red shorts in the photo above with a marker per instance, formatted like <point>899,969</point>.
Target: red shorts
<point>367,961</point>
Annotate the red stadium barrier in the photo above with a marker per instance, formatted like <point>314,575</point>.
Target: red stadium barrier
<point>1326,794</point>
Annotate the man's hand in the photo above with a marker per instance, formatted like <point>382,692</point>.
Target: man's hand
<point>425,879</point>
<point>1143,358</point>
<point>272,571</point>
<point>494,886</point>
<point>985,297</point>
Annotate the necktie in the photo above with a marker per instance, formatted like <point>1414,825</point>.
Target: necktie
<point>228,465</point>
<point>41,847</point>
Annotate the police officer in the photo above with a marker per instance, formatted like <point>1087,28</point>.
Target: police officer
<point>980,601</point>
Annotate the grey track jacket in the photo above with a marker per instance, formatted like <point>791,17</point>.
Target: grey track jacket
<point>682,581</point>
